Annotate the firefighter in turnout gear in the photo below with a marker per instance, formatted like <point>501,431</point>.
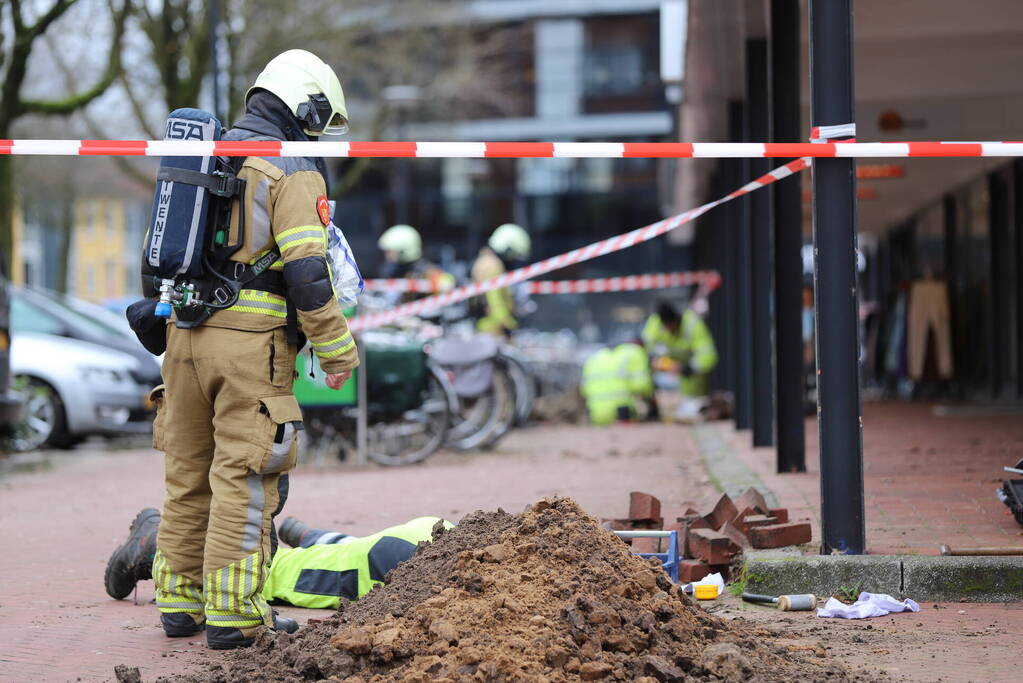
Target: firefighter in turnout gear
<point>318,570</point>
<point>403,259</point>
<point>226,415</point>
<point>509,247</point>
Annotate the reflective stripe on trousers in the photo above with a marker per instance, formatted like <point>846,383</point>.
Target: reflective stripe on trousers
<point>175,593</point>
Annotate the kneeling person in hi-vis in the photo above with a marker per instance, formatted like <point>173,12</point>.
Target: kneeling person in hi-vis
<point>226,415</point>
<point>614,380</point>
<point>320,568</point>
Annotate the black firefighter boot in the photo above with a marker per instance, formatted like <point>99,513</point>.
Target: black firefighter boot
<point>133,560</point>
<point>229,638</point>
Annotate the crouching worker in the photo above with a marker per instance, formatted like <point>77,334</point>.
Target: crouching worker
<point>614,381</point>
<point>685,339</point>
<point>318,570</point>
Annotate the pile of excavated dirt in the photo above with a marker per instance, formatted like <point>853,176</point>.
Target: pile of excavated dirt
<point>543,596</point>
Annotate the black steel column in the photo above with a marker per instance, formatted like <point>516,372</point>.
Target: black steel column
<point>761,244</point>
<point>1017,219</point>
<point>834,236</point>
<point>736,172</point>
<point>788,241</point>
<point>950,239</point>
<point>1001,279</point>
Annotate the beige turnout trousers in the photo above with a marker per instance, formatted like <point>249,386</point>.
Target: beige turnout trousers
<point>229,425</point>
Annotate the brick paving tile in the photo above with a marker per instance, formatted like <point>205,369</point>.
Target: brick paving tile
<point>927,480</point>
<point>61,524</point>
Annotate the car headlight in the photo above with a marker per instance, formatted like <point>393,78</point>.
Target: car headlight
<point>103,375</point>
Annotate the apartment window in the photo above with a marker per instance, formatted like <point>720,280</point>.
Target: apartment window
<point>620,65</point>
<point>90,280</point>
<point>111,221</point>
<point>110,276</point>
<point>89,210</point>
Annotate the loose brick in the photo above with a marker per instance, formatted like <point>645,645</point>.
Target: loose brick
<point>689,524</point>
<point>735,535</point>
<point>780,535</point>
<point>644,507</point>
<point>780,514</point>
<point>753,499</point>
<point>692,570</point>
<point>739,521</point>
<point>711,546</point>
<point>724,511</point>
<point>759,520</point>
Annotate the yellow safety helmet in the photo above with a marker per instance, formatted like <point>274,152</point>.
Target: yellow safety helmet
<point>404,240</point>
<point>310,88</point>
<point>512,241</point>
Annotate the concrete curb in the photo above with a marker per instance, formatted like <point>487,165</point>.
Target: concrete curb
<point>923,578</point>
<point>728,474</point>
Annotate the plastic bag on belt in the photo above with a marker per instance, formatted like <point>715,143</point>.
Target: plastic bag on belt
<point>344,271</point>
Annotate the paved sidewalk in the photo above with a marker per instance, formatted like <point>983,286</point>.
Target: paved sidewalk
<point>927,480</point>
<point>60,526</point>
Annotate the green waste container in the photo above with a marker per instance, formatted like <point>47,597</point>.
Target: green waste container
<point>313,391</point>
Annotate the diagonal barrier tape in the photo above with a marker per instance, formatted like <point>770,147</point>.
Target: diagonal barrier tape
<point>622,283</point>
<point>601,248</point>
<point>493,150</point>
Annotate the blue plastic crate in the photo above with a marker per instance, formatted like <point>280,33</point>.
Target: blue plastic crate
<point>669,559</point>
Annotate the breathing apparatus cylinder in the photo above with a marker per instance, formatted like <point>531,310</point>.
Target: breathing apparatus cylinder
<point>178,239</point>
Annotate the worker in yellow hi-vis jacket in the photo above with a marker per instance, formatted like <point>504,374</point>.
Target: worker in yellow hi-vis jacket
<point>613,380</point>
<point>687,340</point>
<point>226,415</point>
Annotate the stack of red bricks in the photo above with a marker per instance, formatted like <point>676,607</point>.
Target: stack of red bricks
<point>709,542</point>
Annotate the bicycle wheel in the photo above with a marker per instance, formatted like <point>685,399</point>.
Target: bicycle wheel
<point>419,432</point>
<point>481,421</point>
<point>524,384</point>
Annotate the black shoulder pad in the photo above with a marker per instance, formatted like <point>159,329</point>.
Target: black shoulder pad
<point>308,282</point>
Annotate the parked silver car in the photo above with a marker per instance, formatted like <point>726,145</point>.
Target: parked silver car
<point>73,388</point>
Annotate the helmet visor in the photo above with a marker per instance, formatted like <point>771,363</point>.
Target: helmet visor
<point>338,125</point>
<point>320,118</point>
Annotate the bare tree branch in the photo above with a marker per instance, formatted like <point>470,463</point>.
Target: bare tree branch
<point>17,18</point>
<point>142,178</point>
<point>55,12</point>
<point>136,107</point>
<point>79,100</point>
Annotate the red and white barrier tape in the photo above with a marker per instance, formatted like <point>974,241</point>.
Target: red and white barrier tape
<point>681,150</point>
<point>601,248</point>
<point>624,283</point>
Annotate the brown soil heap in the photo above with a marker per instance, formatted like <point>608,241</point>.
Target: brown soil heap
<point>543,596</point>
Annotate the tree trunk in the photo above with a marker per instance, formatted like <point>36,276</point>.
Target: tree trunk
<point>6,211</point>
<point>66,223</point>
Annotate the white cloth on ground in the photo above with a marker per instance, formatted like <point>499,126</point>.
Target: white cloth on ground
<point>867,605</point>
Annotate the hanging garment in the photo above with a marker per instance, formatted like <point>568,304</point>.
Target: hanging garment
<point>928,311</point>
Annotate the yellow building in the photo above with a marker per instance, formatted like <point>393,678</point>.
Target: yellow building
<point>105,254</point>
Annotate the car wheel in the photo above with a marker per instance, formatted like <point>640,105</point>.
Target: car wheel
<point>43,421</point>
